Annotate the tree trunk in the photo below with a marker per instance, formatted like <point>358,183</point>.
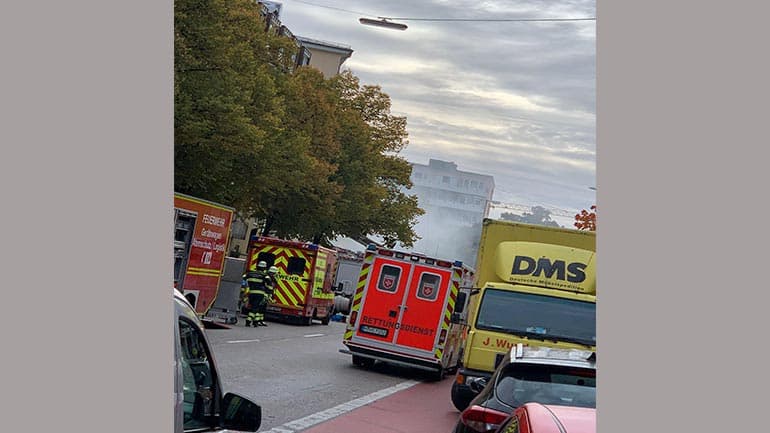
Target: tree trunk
<point>268,225</point>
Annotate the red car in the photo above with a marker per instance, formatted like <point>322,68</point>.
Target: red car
<point>540,418</point>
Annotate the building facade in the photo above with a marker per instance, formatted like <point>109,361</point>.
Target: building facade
<point>454,201</point>
<point>327,57</point>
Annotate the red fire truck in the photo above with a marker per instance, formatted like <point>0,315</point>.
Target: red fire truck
<point>303,290</point>
<point>201,234</point>
<point>402,308</point>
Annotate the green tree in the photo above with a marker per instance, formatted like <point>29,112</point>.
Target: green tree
<point>539,215</point>
<point>226,103</point>
<point>315,158</point>
<point>301,202</point>
<point>372,173</point>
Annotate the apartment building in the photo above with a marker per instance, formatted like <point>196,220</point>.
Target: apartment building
<point>460,196</point>
<point>453,201</point>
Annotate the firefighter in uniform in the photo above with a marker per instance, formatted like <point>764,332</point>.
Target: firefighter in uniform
<point>242,299</point>
<point>273,273</point>
<point>259,284</point>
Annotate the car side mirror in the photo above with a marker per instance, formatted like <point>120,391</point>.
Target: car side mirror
<point>477,385</point>
<point>240,413</point>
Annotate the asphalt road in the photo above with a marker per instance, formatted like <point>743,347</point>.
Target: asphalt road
<point>294,371</point>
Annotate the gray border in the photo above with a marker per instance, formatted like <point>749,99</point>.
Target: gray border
<point>683,250</point>
<point>86,132</point>
<point>86,171</point>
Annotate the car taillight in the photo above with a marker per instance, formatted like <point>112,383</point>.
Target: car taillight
<point>353,317</point>
<point>482,419</point>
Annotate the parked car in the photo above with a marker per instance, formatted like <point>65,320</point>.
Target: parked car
<point>539,418</point>
<point>550,376</point>
<point>199,404</point>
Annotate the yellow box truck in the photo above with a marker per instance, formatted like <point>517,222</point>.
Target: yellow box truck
<point>536,286</point>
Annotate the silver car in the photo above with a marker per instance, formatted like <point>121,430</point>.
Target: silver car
<point>199,404</point>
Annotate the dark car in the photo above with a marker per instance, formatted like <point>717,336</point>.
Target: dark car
<point>560,377</point>
<point>199,404</point>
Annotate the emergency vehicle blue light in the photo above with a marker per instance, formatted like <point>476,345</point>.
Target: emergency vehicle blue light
<point>371,247</point>
<point>458,263</point>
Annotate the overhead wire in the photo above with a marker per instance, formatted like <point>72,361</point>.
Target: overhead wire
<point>447,19</point>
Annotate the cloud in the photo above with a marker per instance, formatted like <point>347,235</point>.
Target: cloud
<point>515,100</point>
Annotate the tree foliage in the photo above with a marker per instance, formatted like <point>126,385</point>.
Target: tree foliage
<point>314,158</point>
<point>586,220</point>
<point>539,216</point>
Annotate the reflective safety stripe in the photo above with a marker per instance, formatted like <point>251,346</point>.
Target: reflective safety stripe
<point>355,305</point>
<point>204,271</point>
<point>454,290</point>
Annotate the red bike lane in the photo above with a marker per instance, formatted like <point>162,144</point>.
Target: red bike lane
<point>424,408</point>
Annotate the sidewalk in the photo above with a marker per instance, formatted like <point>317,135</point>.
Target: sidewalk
<point>423,408</point>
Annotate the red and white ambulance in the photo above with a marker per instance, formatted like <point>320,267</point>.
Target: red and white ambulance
<point>402,309</point>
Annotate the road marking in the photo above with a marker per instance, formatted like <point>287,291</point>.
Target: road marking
<point>242,341</point>
<point>325,415</point>
<point>313,335</point>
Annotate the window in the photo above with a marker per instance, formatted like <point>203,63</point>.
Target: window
<point>389,277</point>
<point>296,266</point>
<point>560,318</point>
<point>199,382</point>
<point>268,258</point>
<point>547,384</point>
<point>429,287</point>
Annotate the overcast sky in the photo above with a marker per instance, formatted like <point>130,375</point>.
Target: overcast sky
<point>514,100</point>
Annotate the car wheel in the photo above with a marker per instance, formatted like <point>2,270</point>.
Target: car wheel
<point>460,398</point>
<point>438,375</point>
<point>360,361</point>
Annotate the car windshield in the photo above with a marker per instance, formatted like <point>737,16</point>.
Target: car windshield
<point>535,315</point>
<point>557,385</point>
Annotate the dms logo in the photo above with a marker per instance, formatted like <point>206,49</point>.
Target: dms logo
<point>523,265</point>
